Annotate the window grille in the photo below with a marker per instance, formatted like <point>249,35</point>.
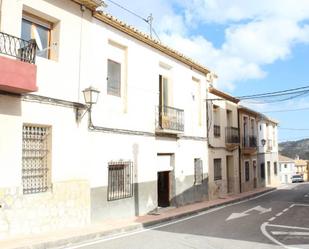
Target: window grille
<point>198,171</point>
<point>36,159</point>
<point>217,169</point>
<point>247,171</point>
<point>120,180</point>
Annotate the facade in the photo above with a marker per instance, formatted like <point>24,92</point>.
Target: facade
<point>268,150</point>
<point>252,176</point>
<point>223,144</point>
<point>66,163</point>
<point>286,169</point>
<point>301,168</point>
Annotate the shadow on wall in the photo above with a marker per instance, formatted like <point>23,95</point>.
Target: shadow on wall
<point>10,105</point>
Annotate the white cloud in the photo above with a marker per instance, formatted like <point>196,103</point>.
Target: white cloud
<point>257,32</point>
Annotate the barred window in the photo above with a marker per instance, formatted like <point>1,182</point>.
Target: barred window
<point>36,175</point>
<point>120,180</point>
<point>247,171</point>
<point>198,171</point>
<point>217,169</point>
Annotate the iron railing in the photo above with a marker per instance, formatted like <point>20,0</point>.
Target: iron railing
<point>217,130</point>
<point>16,47</point>
<point>231,135</point>
<point>120,180</point>
<point>170,118</point>
<point>249,142</point>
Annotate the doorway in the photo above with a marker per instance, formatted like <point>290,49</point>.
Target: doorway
<point>268,173</point>
<point>230,174</point>
<point>254,175</point>
<point>163,189</point>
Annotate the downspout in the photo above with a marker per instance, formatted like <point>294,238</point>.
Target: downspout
<point>239,152</point>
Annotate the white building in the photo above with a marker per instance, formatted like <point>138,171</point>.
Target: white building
<point>65,164</point>
<point>286,169</point>
<point>268,149</point>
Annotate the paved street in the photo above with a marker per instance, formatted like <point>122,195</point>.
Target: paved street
<point>279,219</point>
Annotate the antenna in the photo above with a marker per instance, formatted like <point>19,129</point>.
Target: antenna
<point>149,21</point>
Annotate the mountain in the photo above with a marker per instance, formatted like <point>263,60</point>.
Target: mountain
<point>293,148</point>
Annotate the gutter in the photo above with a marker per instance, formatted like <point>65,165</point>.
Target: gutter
<point>239,152</point>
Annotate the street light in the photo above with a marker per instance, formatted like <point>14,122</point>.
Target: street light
<point>263,141</point>
<point>91,96</point>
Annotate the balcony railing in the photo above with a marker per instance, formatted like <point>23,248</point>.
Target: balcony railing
<point>217,130</point>
<point>231,135</point>
<point>170,118</point>
<point>249,142</point>
<point>17,47</point>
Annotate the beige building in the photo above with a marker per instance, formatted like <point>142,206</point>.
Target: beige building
<point>223,144</point>
<point>301,168</point>
<point>251,175</point>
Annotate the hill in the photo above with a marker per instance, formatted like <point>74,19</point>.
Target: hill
<point>293,148</point>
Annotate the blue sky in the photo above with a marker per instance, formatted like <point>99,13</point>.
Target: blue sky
<point>253,46</point>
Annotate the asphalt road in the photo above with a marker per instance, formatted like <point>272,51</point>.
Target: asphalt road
<point>279,219</point>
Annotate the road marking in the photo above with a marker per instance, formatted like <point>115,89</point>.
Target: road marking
<point>285,210</point>
<point>142,230</point>
<point>290,227</point>
<point>278,214</point>
<point>271,219</point>
<point>301,205</point>
<point>260,209</point>
<point>290,233</point>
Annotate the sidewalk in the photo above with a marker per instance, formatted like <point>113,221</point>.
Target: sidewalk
<point>112,227</point>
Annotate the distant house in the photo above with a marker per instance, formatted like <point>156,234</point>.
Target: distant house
<point>301,168</point>
<point>286,169</point>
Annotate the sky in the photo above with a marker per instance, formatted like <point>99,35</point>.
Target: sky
<point>254,46</point>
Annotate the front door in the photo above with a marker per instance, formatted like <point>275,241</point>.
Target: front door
<point>254,175</point>
<point>164,189</point>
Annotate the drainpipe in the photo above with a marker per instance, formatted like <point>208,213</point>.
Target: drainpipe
<point>239,152</point>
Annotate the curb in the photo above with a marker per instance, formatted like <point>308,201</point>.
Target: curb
<point>70,241</point>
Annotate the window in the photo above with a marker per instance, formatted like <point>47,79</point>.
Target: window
<point>198,171</point>
<point>36,28</point>
<point>247,171</point>
<point>275,168</point>
<point>36,175</point>
<point>263,170</point>
<point>113,78</point>
<point>285,166</point>
<point>217,169</point>
<point>120,180</point>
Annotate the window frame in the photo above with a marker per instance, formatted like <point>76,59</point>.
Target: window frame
<point>32,145</point>
<point>35,22</point>
<point>217,169</point>
<point>198,171</point>
<point>108,86</point>
<point>120,180</point>
<point>247,171</point>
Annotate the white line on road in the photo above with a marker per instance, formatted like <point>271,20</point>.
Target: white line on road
<point>290,233</point>
<point>271,219</point>
<point>290,227</point>
<point>301,205</point>
<point>127,234</point>
<point>285,210</point>
<point>278,214</point>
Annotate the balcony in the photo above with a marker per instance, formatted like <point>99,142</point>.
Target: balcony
<point>249,144</point>
<point>169,120</point>
<point>231,135</point>
<point>217,131</point>
<point>17,68</point>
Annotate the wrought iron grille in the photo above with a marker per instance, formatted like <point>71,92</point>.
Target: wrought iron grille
<point>17,47</point>
<point>231,135</point>
<point>170,118</point>
<point>35,160</point>
<point>249,142</point>
<point>217,130</point>
<point>120,180</point>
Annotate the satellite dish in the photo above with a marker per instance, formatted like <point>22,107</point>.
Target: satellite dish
<point>37,39</point>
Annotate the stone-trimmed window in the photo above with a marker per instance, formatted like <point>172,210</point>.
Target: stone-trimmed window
<point>198,171</point>
<point>217,169</point>
<point>120,180</point>
<point>36,159</point>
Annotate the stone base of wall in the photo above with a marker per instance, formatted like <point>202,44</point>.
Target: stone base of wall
<point>66,205</point>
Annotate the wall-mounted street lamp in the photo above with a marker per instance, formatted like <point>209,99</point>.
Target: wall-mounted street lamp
<point>263,142</point>
<point>91,96</point>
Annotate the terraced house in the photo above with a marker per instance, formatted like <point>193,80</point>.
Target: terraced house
<point>97,119</point>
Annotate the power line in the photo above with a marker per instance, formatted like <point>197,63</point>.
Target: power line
<point>294,129</point>
<point>288,110</point>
